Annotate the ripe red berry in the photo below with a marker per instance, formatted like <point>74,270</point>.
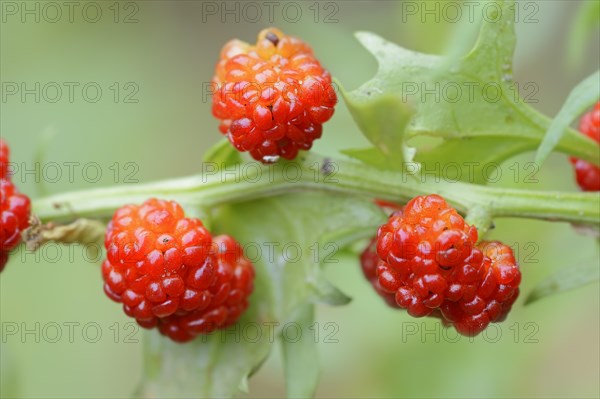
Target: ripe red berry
<point>587,174</point>
<point>233,282</point>
<point>428,263</point>
<point>14,217</point>
<point>272,97</point>
<point>427,254</point>
<point>369,258</point>
<point>4,157</point>
<point>496,292</point>
<point>369,261</point>
<point>161,264</point>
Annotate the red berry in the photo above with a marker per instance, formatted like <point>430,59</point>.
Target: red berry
<point>161,264</point>
<point>272,97</point>
<point>15,209</point>
<point>428,263</point>
<point>496,292</point>
<point>4,158</point>
<point>587,174</point>
<point>369,261</point>
<point>14,215</point>
<point>427,252</point>
<point>224,301</point>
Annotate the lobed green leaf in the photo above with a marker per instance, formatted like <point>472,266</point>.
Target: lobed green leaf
<point>470,102</point>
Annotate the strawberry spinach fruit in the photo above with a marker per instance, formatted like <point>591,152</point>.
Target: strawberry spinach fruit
<point>174,257</point>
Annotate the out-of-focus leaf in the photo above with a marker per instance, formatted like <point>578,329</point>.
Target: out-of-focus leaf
<point>585,23</point>
<point>567,278</point>
<point>581,97</point>
<point>9,371</point>
<point>300,357</point>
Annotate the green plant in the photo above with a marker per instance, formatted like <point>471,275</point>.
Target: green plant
<point>330,201</point>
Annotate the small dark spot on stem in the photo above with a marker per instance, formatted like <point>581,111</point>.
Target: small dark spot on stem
<point>272,37</point>
<point>327,167</point>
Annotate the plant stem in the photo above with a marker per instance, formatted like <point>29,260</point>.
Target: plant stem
<point>248,181</point>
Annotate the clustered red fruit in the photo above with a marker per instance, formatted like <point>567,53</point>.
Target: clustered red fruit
<point>587,174</point>
<point>14,209</point>
<point>369,258</point>
<point>427,260</point>
<point>169,273</point>
<point>496,291</point>
<point>272,98</point>
<point>369,261</point>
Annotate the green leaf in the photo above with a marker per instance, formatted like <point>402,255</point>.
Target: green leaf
<point>370,156</point>
<point>460,43</point>
<point>212,366</point>
<point>295,234</point>
<point>584,95</point>
<point>567,278</point>
<point>584,24</point>
<point>216,365</point>
<point>222,154</point>
<point>475,96</point>
<point>10,372</point>
<point>326,293</point>
<point>383,120</point>
<point>467,160</point>
<point>300,357</point>
<point>284,238</point>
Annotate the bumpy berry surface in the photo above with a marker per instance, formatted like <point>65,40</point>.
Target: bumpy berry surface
<point>588,175</point>
<point>4,157</point>
<point>428,254</point>
<point>496,292</point>
<point>162,266</point>
<point>227,296</point>
<point>369,261</point>
<point>427,260</point>
<point>369,258</point>
<point>14,215</point>
<point>272,97</point>
<point>15,209</point>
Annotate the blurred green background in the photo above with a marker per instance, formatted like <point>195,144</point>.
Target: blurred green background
<point>165,54</point>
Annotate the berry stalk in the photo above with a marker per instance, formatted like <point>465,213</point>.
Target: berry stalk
<point>316,173</point>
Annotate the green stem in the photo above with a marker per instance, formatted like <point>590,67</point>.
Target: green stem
<point>314,173</point>
<point>572,142</point>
